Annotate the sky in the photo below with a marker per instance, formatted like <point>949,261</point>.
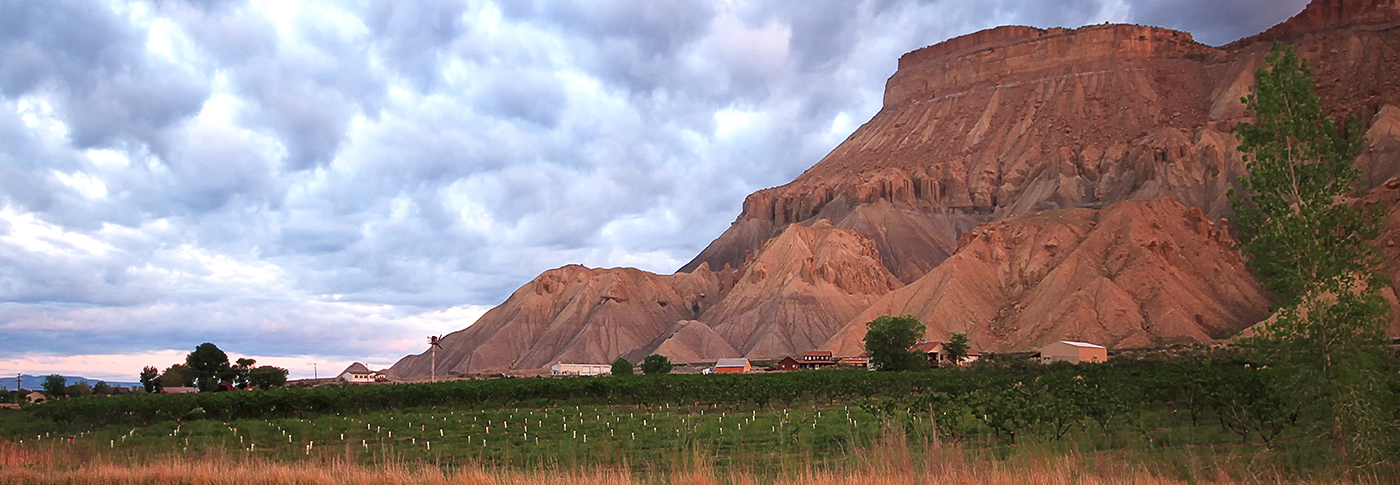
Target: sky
<point>315,183</point>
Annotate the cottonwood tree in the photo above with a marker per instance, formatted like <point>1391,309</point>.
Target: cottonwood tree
<point>889,341</point>
<point>78,389</point>
<point>209,365</point>
<point>177,375</point>
<point>956,348</point>
<point>267,377</point>
<point>240,371</point>
<point>621,367</point>
<point>1310,249</point>
<point>55,385</point>
<point>150,379</point>
<point>656,364</point>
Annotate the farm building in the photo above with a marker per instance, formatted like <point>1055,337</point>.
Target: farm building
<point>1074,352</point>
<point>36,397</point>
<point>788,363</point>
<point>357,373</point>
<point>858,361</point>
<point>734,366</point>
<point>580,370</point>
<point>936,356</point>
<point>816,359</point>
<point>179,390</point>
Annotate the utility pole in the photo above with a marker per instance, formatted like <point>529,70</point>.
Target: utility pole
<point>315,375</point>
<point>433,343</point>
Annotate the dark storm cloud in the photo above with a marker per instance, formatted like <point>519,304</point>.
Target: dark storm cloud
<point>1225,22</point>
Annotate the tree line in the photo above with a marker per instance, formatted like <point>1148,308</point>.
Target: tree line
<point>208,369</point>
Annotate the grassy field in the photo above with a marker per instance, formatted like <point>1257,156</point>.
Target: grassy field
<point>568,436</point>
<point>594,443</point>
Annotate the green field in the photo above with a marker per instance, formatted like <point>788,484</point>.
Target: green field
<point>1189,420</point>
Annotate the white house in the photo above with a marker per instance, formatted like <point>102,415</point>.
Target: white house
<point>1074,352</point>
<point>357,373</point>
<point>580,370</point>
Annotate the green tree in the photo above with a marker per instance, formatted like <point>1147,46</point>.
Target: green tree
<point>177,375</point>
<point>1311,250</point>
<point>102,388</point>
<point>78,389</point>
<point>55,385</point>
<point>241,369</point>
<point>621,367</point>
<point>267,377</point>
<point>209,364</point>
<point>889,342</point>
<point>956,348</point>
<point>150,379</point>
<point>656,364</point>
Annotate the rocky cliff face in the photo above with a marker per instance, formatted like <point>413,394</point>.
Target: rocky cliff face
<point>799,290</point>
<point>1015,120</point>
<point>570,314</point>
<point>1323,15</point>
<point>992,196</point>
<point>1136,274</point>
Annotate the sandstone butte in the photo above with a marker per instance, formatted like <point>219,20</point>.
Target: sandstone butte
<point>1019,185</point>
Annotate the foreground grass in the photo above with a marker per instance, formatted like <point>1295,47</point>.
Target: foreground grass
<point>890,462</point>
<point>599,444</point>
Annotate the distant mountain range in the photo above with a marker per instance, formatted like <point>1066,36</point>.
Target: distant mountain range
<point>37,382</point>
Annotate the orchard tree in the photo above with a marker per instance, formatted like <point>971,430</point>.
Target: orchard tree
<point>889,342</point>
<point>1310,249</point>
<point>209,365</point>
<point>656,364</point>
<point>150,379</point>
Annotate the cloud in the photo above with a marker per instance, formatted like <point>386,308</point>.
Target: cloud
<point>414,35</point>
<point>95,66</point>
<point>1223,23</point>
<point>323,181</point>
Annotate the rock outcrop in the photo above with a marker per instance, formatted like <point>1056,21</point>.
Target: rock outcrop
<point>1019,185</point>
<point>1135,274</point>
<point>571,314</point>
<point>1015,120</point>
<point>1322,15</point>
<point>690,341</point>
<point>799,290</point>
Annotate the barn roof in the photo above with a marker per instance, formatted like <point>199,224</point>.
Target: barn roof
<point>733,362</point>
<point>1082,344</point>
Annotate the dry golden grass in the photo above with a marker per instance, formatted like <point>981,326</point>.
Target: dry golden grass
<point>890,463</point>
